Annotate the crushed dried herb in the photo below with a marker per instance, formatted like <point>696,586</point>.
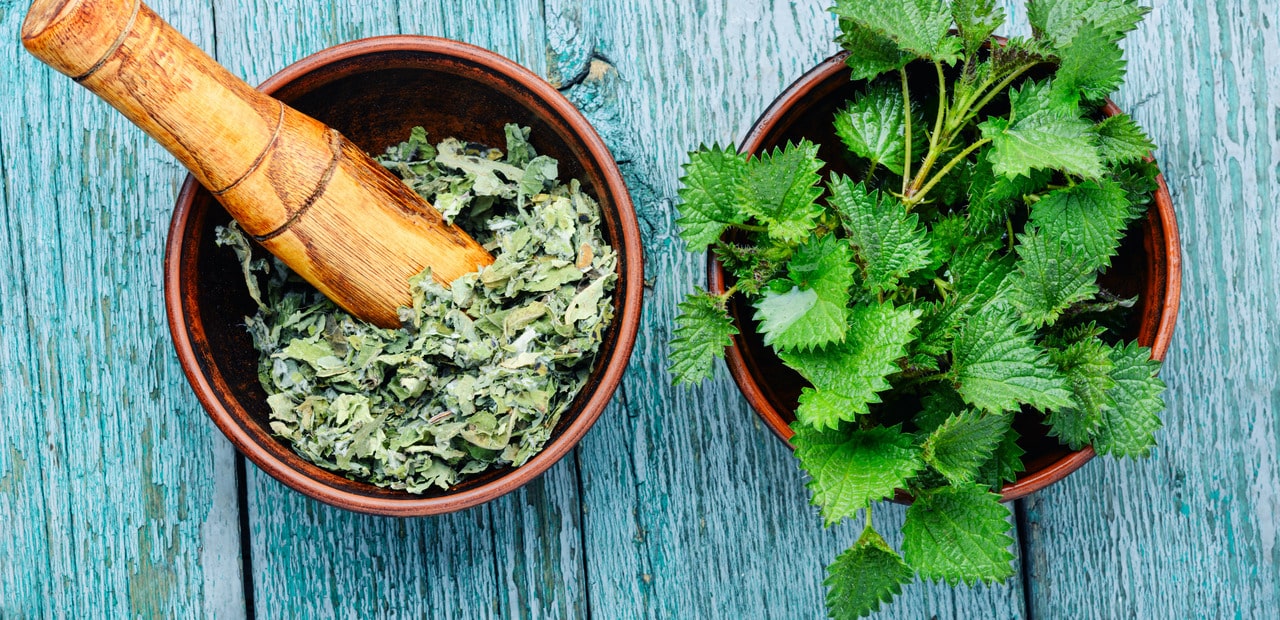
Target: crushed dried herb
<point>479,373</point>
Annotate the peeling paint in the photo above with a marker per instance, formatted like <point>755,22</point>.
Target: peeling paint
<point>151,579</point>
<point>17,469</point>
<point>1264,489</point>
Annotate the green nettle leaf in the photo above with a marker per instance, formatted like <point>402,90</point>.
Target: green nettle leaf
<point>962,443</point>
<point>850,469</point>
<point>976,20</point>
<point>916,26</point>
<point>870,53</point>
<point>708,194</point>
<point>948,233</point>
<point>1087,366</point>
<point>781,191</point>
<point>889,241</point>
<point>779,313</point>
<point>937,407</point>
<point>1038,96</point>
<point>980,275</point>
<point>1092,65</point>
<point>827,409</point>
<point>752,265</point>
<point>1121,140</point>
<point>813,313</point>
<point>864,576</point>
<point>998,366</point>
<point>1005,464</point>
<point>1017,52</point>
<point>986,208</point>
<point>1090,217</point>
<point>994,197</point>
<point>939,321</point>
<point>1058,20</point>
<point>958,533</point>
<point>1051,276</point>
<point>952,190</point>
<point>1139,182</point>
<point>1047,139</point>
<point>703,330</point>
<point>872,126</point>
<point>855,369</point>
<point>1128,428</point>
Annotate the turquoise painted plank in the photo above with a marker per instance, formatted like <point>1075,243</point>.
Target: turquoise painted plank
<point>116,495</point>
<point>517,557</point>
<point>513,28</point>
<point>24,569</point>
<point>692,508</point>
<point>1191,533</point>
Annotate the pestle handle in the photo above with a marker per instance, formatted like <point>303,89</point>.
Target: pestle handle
<point>303,191</point>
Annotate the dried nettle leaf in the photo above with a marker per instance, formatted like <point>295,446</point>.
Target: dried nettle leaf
<point>480,372</point>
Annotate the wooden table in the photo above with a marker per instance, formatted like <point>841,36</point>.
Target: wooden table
<point>119,498</point>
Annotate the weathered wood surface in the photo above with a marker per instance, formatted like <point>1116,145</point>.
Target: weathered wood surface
<point>118,497</point>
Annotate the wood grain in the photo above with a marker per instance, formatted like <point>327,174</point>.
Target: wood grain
<point>518,556</point>
<point>1191,533</point>
<point>116,493</point>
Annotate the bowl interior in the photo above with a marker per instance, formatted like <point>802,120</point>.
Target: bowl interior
<point>806,111</point>
<point>375,97</point>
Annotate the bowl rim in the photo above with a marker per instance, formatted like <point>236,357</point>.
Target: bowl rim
<point>736,356</point>
<point>602,391</point>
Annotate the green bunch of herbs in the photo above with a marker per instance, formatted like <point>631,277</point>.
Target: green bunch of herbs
<point>479,373</point>
<point>956,277</point>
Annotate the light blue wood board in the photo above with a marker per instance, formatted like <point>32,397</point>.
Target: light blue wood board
<point>519,556</point>
<point>692,508</point>
<point>117,495</point>
<point>1191,533</point>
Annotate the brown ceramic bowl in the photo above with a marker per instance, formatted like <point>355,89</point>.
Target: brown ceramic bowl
<point>1149,265</point>
<point>374,91</point>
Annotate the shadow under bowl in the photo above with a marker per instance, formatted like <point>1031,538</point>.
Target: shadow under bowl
<point>1148,265</point>
<point>374,91</point>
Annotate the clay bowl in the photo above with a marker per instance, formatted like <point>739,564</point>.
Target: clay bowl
<point>1148,266</point>
<point>374,91</point>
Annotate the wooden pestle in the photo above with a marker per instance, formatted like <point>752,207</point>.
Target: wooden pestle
<point>307,194</point>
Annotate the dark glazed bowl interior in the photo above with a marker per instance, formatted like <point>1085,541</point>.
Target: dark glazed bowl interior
<point>1148,266</point>
<point>375,91</point>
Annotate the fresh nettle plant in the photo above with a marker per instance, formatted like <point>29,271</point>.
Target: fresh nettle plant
<point>951,286</point>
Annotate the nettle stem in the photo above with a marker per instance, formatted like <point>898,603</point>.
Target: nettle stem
<point>936,147</point>
<point>950,121</point>
<point>924,191</point>
<point>906,131</point>
<point>925,377</point>
<point>1004,84</point>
